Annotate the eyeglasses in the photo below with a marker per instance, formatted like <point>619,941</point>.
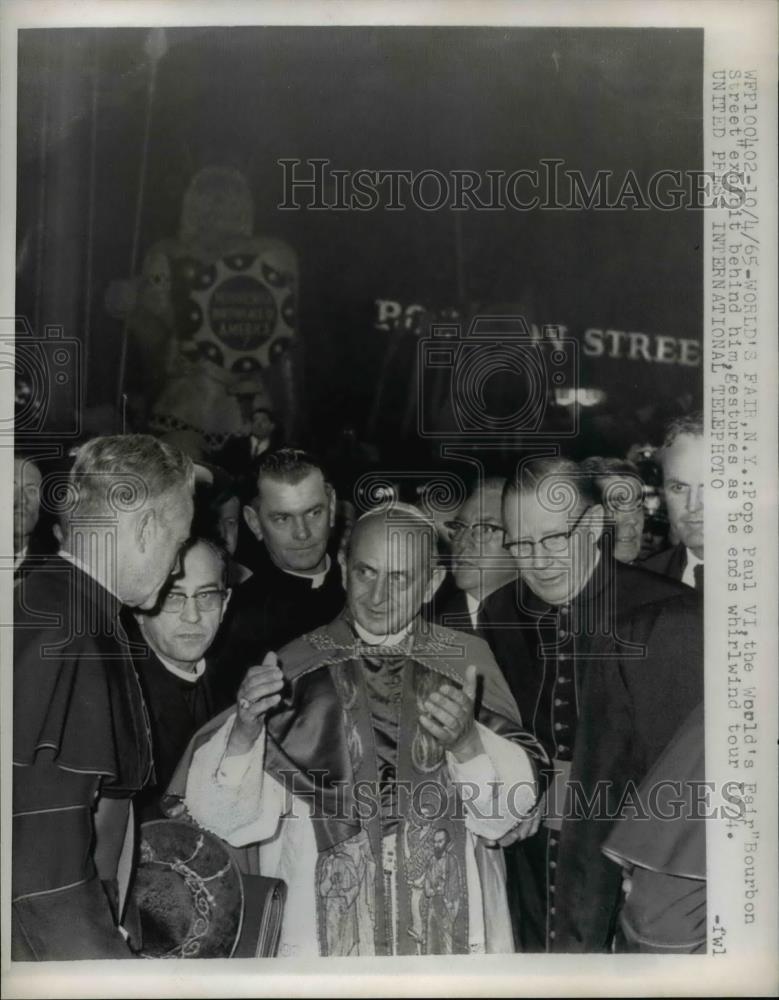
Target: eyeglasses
<point>205,600</point>
<point>551,544</point>
<point>480,531</point>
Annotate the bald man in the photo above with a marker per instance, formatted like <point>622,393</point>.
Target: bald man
<point>374,766</point>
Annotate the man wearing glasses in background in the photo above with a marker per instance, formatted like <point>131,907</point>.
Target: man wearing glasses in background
<point>605,662</point>
<point>179,686</point>
<point>479,564</point>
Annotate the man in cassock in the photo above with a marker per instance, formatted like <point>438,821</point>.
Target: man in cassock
<point>394,755</point>
<point>661,848</point>
<point>295,583</point>
<point>605,661</point>
<point>81,745</point>
<point>171,646</point>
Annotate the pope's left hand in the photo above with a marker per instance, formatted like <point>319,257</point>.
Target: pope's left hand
<point>448,715</point>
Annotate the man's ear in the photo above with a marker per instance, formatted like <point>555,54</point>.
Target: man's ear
<point>436,579</point>
<point>225,602</point>
<point>146,529</point>
<point>343,563</point>
<point>252,521</point>
<point>331,500</point>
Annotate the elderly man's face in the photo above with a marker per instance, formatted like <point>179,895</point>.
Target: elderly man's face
<point>683,474</point>
<point>624,502</point>
<point>388,574</point>
<point>183,635</point>
<point>27,500</point>
<point>150,552</point>
<point>555,568</point>
<point>479,563</point>
<point>294,521</point>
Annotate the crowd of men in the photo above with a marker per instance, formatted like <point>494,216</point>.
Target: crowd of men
<point>432,730</point>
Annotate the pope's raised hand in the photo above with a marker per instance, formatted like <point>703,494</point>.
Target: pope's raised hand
<point>259,692</point>
<point>448,715</point>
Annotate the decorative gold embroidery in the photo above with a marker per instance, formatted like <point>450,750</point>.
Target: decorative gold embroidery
<point>345,884</point>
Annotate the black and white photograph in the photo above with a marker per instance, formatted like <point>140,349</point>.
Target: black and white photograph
<point>373,378</point>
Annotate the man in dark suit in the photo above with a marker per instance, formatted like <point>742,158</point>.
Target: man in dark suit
<point>27,504</point>
<point>585,645</point>
<point>622,496</point>
<point>683,462</point>
<point>177,678</point>
<point>478,563</point>
<point>241,455</point>
<point>32,534</point>
<point>81,740</point>
<point>296,585</point>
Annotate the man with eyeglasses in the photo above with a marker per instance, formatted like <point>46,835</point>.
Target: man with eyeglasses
<point>605,661</point>
<point>622,496</point>
<point>377,783</point>
<point>179,685</point>
<point>479,564</point>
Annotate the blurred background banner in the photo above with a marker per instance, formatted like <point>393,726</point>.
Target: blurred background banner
<point>149,227</point>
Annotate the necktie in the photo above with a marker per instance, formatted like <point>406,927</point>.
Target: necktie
<point>698,574</point>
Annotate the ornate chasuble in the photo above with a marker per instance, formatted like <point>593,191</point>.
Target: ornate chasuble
<point>407,896</point>
<point>390,876</point>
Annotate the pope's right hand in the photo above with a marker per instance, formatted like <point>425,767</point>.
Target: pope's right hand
<point>259,692</point>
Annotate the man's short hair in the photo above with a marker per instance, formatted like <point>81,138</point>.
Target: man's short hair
<point>28,459</point>
<point>600,469</point>
<point>690,423</point>
<point>287,465</point>
<point>127,472</point>
<point>530,475</point>
<point>488,483</point>
<point>213,545</point>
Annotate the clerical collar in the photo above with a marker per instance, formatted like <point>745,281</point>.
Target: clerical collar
<point>318,579</point>
<point>85,568</point>
<point>394,639</point>
<point>186,675</point>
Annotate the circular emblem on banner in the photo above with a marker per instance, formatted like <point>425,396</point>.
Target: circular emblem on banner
<point>242,313</point>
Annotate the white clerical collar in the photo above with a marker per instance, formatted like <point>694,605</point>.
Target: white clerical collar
<point>20,556</point>
<point>318,579</point>
<point>688,576</point>
<point>370,639</point>
<point>185,675</point>
<point>85,568</point>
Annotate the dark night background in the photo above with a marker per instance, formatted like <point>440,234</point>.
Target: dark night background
<point>382,98</point>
